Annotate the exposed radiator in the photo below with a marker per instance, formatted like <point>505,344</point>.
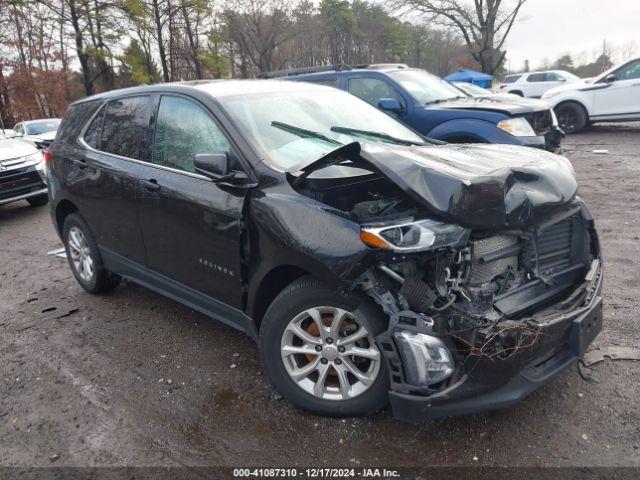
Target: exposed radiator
<point>485,266</point>
<point>553,249</point>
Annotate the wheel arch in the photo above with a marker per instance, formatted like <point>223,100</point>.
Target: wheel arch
<point>573,100</point>
<point>269,287</point>
<point>63,209</point>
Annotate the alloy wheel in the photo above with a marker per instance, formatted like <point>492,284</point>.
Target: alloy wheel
<point>80,254</point>
<point>329,354</point>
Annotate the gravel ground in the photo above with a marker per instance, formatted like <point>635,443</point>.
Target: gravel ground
<point>132,378</point>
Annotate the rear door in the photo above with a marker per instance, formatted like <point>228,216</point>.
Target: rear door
<point>536,84</point>
<point>622,97</point>
<point>191,225</point>
<point>104,176</point>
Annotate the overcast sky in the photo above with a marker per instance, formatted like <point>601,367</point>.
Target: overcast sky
<point>549,28</point>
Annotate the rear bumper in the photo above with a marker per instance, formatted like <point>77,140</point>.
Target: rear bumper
<point>496,383</point>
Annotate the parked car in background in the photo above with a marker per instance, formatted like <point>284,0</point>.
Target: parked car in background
<point>40,133</point>
<point>534,84</point>
<point>435,108</point>
<point>370,264</point>
<point>612,96</point>
<point>22,175</point>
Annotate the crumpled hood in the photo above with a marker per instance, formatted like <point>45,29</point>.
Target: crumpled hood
<point>500,104</point>
<point>478,186</point>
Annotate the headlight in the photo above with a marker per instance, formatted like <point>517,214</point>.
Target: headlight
<point>426,360</point>
<point>518,127</point>
<point>414,236</point>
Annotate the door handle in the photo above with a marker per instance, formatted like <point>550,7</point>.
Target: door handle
<point>151,184</point>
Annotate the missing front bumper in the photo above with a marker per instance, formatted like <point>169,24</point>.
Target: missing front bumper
<point>492,383</point>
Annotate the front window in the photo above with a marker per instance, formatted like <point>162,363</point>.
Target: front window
<point>372,90</point>
<point>424,87</point>
<point>630,72</point>
<point>277,122</point>
<point>183,130</point>
<point>42,126</point>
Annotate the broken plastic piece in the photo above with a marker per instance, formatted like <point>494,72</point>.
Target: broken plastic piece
<point>612,353</point>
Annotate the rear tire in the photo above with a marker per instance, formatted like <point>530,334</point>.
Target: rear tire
<point>572,117</point>
<point>517,92</point>
<point>331,387</point>
<point>38,200</point>
<point>84,257</point>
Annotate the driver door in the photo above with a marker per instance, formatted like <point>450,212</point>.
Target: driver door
<point>622,96</point>
<point>191,225</point>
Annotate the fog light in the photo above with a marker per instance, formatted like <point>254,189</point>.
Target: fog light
<point>426,359</point>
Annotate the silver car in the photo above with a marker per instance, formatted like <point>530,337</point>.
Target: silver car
<point>22,172</point>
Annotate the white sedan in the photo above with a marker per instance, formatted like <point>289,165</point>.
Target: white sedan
<point>612,96</point>
<point>39,133</point>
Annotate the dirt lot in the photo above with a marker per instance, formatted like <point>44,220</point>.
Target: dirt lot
<point>132,378</point>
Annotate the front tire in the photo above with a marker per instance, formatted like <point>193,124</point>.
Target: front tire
<point>38,200</point>
<point>84,257</point>
<point>572,117</point>
<point>318,350</point>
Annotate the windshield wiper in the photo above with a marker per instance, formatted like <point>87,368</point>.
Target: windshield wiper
<point>302,132</point>
<point>381,135</point>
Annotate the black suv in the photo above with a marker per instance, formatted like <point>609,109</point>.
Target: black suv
<point>370,264</point>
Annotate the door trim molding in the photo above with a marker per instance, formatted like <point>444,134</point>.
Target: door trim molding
<point>177,291</point>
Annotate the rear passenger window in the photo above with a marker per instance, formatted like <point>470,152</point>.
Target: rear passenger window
<point>125,129</point>
<point>94,132</point>
<point>536,77</point>
<point>183,130</point>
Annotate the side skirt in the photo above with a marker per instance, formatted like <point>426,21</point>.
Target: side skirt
<point>177,291</point>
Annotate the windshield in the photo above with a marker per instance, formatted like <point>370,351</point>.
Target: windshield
<point>42,126</point>
<point>424,87</point>
<point>293,127</point>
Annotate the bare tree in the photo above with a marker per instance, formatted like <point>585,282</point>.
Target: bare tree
<point>484,24</point>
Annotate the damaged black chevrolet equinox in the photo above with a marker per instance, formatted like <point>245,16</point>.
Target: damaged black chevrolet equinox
<point>371,265</point>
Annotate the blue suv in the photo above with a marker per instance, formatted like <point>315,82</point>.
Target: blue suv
<point>437,109</point>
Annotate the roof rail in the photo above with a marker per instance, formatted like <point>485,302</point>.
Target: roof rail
<point>384,66</point>
<point>300,71</point>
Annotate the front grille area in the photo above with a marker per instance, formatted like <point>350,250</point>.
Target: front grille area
<point>551,251</point>
<point>483,268</point>
<point>19,181</point>
<point>541,122</point>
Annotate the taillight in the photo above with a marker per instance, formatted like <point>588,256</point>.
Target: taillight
<point>47,156</point>
<point>503,86</point>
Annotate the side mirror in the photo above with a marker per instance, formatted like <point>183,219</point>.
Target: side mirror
<point>562,79</point>
<point>390,105</point>
<point>212,165</point>
<point>610,78</point>
<point>216,167</point>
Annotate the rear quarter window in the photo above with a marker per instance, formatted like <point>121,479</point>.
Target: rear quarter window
<point>511,78</point>
<point>74,120</point>
<point>93,134</point>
